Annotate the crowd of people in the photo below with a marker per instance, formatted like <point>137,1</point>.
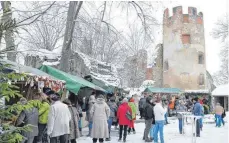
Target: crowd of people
<point>61,121</point>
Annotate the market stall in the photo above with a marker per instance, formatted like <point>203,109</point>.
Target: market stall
<point>33,81</point>
<point>220,95</point>
<point>73,83</point>
<point>167,95</point>
<point>204,97</point>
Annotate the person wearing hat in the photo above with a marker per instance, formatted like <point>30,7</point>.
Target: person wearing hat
<point>28,117</point>
<point>159,113</point>
<point>123,120</point>
<point>74,129</point>
<point>100,113</point>
<point>58,120</point>
<point>197,111</point>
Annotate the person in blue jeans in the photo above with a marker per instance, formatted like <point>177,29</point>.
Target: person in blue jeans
<point>197,111</point>
<point>159,113</point>
<point>113,114</point>
<point>218,114</point>
<point>180,108</point>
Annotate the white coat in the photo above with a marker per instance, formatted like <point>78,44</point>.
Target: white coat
<point>58,120</point>
<point>100,113</point>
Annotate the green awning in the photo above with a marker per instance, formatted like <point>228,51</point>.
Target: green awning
<point>73,83</point>
<point>162,90</point>
<point>109,89</point>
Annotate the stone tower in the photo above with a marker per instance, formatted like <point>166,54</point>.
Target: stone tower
<point>184,63</point>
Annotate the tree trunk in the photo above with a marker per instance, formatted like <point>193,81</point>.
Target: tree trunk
<point>73,10</point>
<point>9,39</point>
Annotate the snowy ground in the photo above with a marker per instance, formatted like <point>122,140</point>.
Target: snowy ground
<point>210,134</point>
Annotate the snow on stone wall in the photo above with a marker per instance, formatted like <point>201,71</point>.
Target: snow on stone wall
<point>101,70</point>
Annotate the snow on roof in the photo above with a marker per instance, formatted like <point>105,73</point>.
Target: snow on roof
<point>221,90</point>
<point>51,63</point>
<point>197,91</point>
<point>43,53</point>
<point>101,70</point>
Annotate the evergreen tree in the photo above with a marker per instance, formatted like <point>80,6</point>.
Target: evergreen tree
<point>9,133</point>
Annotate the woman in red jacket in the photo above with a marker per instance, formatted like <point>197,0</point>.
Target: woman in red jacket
<point>124,122</point>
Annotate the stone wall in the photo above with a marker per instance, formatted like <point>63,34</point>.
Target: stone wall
<point>33,61</point>
<point>181,68</point>
<point>77,65</point>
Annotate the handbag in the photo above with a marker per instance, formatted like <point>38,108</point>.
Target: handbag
<point>128,115</point>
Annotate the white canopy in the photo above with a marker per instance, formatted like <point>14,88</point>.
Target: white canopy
<point>222,90</point>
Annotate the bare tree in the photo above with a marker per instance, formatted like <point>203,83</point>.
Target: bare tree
<point>9,26</point>
<point>73,11</point>
<point>221,32</point>
<point>9,39</point>
<point>46,31</point>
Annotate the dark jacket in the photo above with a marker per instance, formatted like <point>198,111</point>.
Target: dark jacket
<point>149,113</point>
<point>74,128</point>
<point>142,103</point>
<point>113,108</point>
<point>29,117</point>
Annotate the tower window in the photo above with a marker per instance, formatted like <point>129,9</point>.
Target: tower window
<point>201,79</point>
<point>200,58</point>
<point>186,39</point>
<point>166,65</point>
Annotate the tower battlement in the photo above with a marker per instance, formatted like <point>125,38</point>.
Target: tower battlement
<point>179,17</point>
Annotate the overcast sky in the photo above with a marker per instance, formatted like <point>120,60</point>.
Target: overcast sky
<point>212,11</point>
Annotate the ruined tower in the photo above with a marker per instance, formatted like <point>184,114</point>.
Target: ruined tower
<point>184,63</point>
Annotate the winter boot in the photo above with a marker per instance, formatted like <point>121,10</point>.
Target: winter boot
<point>134,132</point>
<point>124,139</point>
<point>148,140</point>
<point>108,139</point>
<point>89,134</point>
<point>120,139</point>
<point>81,134</point>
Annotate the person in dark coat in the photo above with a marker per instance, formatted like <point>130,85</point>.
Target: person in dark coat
<point>149,117</point>
<point>74,129</point>
<point>28,117</point>
<point>141,104</point>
